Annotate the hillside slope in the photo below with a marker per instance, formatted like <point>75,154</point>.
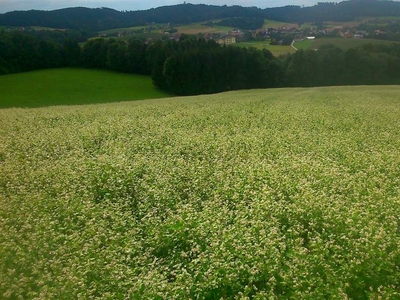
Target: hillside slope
<point>105,18</point>
<point>285,193</point>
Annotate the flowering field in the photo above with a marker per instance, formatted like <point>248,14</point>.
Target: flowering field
<point>261,194</point>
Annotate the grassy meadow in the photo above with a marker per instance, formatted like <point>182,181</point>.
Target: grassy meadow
<point>348,43</point>
<point>338,42</point>
<point>304,44</point>
<point>196,28</point>
<point>73,86</point>
<point>277,24</point>
<point>276,50</point>
<point>259,194</point>
<point>155,28</point>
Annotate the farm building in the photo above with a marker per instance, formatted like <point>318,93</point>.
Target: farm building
<point>227,40</point>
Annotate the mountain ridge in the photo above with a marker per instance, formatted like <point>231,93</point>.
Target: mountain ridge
<point>97,19</point>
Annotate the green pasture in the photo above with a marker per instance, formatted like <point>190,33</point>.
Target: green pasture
<point>304,44</point>
<point>338,42</point>
<point>73,86</point>
<point>155,35</point>
<point>44,28</point>
<point>351,24</point>
<point>381,21</point>
<point>257,194</point>
<point>126,29</point>
<point>196,28</point>
<point>346,43</point>
<point>277,24</point>
<point>153,29</point>
<point>276,50</point>
<point>306,26</point>
<point>387,18</point>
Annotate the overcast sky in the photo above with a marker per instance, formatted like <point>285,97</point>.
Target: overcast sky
<point>10,5</point>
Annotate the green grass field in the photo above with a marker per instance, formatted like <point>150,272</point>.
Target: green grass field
<point>305,44</point>
<point>73,86</point>
<point>258,194</point>
<point>339,42</point>
<point>276,50</point>
<point>44,28</point>
<point>349,24</point>
<point>126,29</point>
<point>198,28</point>
<point>348,43</point>
<point>276,24</point>
<point>194,28</point>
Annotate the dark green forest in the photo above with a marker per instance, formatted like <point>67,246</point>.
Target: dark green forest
<point>194,66</point>
<point>88,20</point>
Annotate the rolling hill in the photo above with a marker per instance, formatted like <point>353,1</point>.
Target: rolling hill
<point>105,18</point>
<point>280,193</point>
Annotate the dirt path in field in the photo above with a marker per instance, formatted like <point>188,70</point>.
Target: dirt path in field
<point>292,45</point>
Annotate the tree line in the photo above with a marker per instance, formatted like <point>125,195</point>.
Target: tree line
<point>193,66</point>
<point>369,64</point>
<point>23,52</point>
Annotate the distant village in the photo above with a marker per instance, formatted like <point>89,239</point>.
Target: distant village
<point>283,35</point>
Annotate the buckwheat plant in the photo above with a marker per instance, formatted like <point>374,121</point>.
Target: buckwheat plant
<point>259,194</point>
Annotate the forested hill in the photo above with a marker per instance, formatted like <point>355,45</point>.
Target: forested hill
<point>105,18</point>
<point>72,18</point>
<point>329,11</point>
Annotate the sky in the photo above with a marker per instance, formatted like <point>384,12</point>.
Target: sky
<point>10,5</point>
